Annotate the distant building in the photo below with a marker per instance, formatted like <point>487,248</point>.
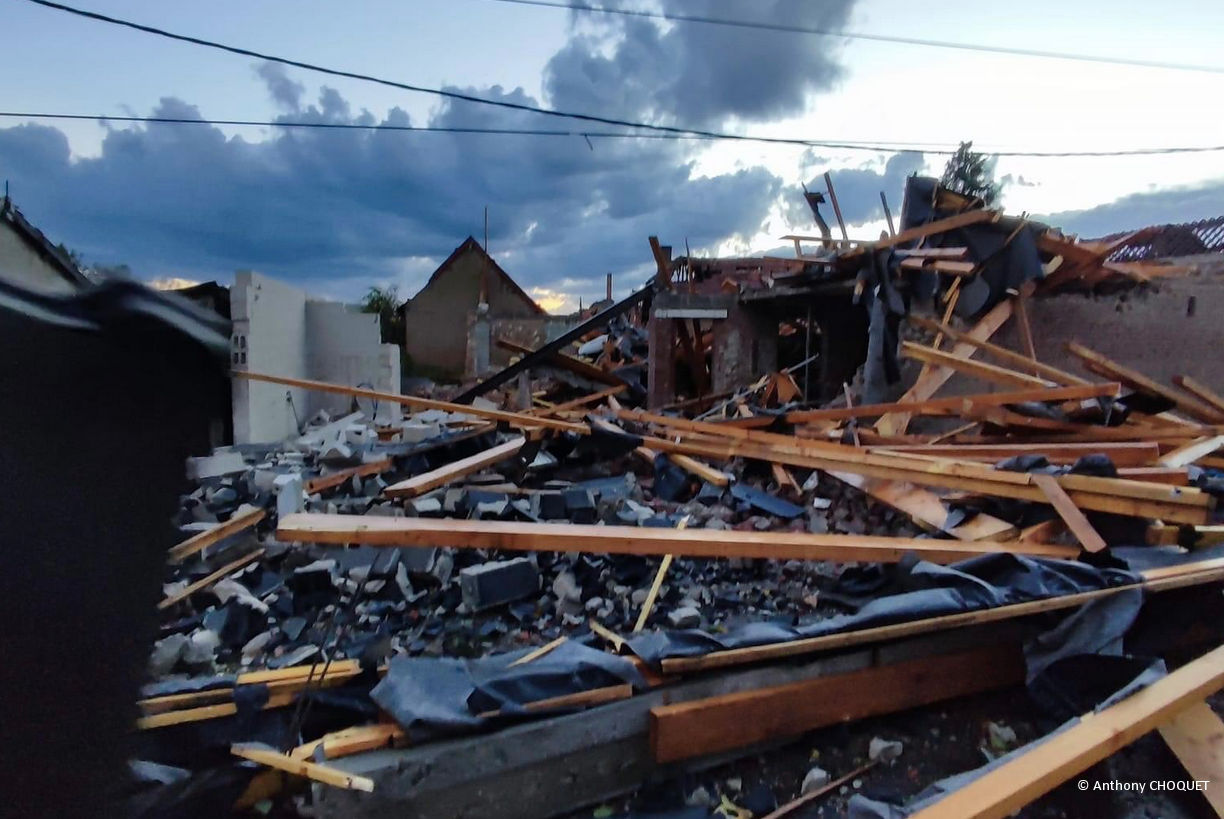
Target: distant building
<point>29,260</point>
<point>437,320</point>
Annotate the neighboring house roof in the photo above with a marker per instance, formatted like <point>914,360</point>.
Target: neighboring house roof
<point>471,244</point>
<point>1169,241</point>
<point>34,237</point>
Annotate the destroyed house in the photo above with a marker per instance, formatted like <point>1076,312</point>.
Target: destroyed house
<point>469,283</point>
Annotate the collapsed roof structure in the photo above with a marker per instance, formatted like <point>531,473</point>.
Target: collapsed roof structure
<point>756,499</point>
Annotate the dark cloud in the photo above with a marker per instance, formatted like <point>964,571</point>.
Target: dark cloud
<point>701,75</point>
<point>858,191</point>
<point>354,207</point>
<point>1137,210</point>
<point>285,92</point>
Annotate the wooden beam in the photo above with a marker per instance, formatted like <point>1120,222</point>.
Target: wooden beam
<point>205,582</point>
<point>565,361</point>
<point>593,398</point>
<point>324,482</point>
<point>798,802</point>
<point>356,740</point>
<point>954,405</point>
<point>420,484</point>
<point>1026,330</point>
<point>1200,391</point>
<point>945,266</point>
<point>1122,453</point>
<point>300,767</point>
<point>532,656</point>
<point>930,382</point>
<point>977,369</point>
<point>1189,453</point>
<point>514,419</point>
<point>960,220</point>
<point>1014,784</point>
<point>717,724</point>
<point>836,208</point>
<point>692,466</point>
<point>544,537</point>
<point>1087,536</point>
<point>1124,497</point>
<point>200,542</point>
<point>926,508</point>
<point>1015,359</point>
<point>1114,371</point>
<point>1196,738</point>
<point>1154,580</point>
<point>1163,534</point>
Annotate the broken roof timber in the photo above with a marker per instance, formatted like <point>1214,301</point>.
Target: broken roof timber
<point>543,537</point>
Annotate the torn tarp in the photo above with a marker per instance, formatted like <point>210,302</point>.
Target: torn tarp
<point>436,696</point>
<point>922,590</point>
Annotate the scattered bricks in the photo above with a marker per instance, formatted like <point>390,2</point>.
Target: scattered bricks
<point>499,582</point>
<point>215,465</point>
<point>289,497</point>
<point>580,505</point>
<point>552,507</point>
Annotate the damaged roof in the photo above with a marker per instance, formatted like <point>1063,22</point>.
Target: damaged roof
<point>1169,241</point>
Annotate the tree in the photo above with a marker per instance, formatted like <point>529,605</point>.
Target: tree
<point>385,301</point>
<point>972,174</point>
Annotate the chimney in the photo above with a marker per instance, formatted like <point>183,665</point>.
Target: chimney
<point>609,297</point>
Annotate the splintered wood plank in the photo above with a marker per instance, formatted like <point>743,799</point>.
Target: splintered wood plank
<point>1070,513</point>
<point>420,484</point>
<point>543,537</point>
<point>1026,330</point>
<point>565,361</point>
<point>582,401</point>
<point>1162,534</point>
<point>1191,452</point>
<point>532,656</point>
<point>933,379</point>
<point>349,741</point>
<point>200,542</point>
<point>514,419</point>
<point>951,406</point>
<point>1196,737</point>
<point>1114,371</point>
<point>1122,453</point>
<point>977,369</point>
<point>300,767</point>
<point>205,582</point>
<point>1200,391</point>
<point>1014,784</point>
<point>1021,362</point>
<point>333,480</point>
<point>709,726</point>
<point>926,509</point>
<point>971,217</point>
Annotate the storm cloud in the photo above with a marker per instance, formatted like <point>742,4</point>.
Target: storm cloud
<point>1166,206</point>
<point>178,200</point>
<point>702,74</point>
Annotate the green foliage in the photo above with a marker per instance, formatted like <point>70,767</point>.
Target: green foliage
<point>972,174</point>
<point>385,301</point>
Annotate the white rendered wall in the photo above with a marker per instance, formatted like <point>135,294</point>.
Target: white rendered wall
<point>268,336</point>
<point>279,330</point>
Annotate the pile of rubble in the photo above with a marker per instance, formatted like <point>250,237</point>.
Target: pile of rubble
<point>563,573</point>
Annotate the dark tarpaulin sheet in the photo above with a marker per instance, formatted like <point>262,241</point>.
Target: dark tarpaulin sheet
<point>436,696</point>
<point>921,590</point>
<point>1004,267</point>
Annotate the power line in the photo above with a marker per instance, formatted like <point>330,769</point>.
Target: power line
<point>861,35</point>
<point>454,95</point>
<point>539,132</point>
